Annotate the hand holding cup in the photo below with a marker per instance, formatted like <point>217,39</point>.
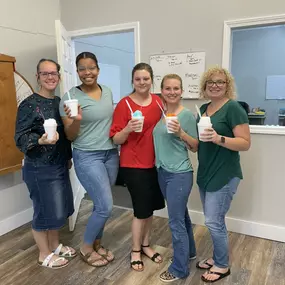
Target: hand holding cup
<point>173,126</point>
<point>134,125</point>
<point>70,115</point>
<point>209,135</point>
<point>43,140</point>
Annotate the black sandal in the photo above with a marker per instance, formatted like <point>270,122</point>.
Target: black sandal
<point>137,262</point>
<point>221,276</point>
<point>205,261</point>
<point>156,255</point>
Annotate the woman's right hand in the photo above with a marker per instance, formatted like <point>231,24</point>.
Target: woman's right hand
<point>68,113</point>
<point>43,140</point>
<point>133,125</point>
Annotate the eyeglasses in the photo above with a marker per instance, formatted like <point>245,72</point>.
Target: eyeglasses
<point>45,75</point>
<point>85,68</point>
<point>219,83</point>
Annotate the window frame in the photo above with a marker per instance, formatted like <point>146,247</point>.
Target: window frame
<point>226,57</point>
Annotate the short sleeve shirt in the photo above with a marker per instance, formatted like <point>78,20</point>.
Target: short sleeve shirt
<point>96,119</point>
<point>171,153</point>
<point>138,150</point>
<point>217,164</point>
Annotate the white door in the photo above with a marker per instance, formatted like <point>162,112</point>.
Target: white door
<point>66,59</point>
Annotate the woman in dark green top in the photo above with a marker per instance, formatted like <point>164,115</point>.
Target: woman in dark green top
<point>219,170</point>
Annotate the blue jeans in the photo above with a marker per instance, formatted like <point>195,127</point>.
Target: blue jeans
<point>176,188</point>
<point>216,205</point>
<point>97,172</point>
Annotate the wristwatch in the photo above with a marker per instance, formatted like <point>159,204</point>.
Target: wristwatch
<point>223,139</point>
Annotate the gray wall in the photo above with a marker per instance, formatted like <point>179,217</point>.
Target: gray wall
<point>115,49</point>
<point>257,53</point>
<point>198,25</point>
<point>27,33</point>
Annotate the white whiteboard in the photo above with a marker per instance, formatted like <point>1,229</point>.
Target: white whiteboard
<point>189,66</point>
<point>23,89</point>
<point>275,87</point>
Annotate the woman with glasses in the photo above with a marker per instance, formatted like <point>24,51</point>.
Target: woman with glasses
<point>95,157</point>
<point>46,165</point>
<point>219,171</point>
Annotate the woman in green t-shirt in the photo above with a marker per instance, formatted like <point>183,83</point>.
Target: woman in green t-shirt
<point>219,170</point>
<point>175,173</point>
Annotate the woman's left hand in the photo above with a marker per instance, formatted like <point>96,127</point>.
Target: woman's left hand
<point>210,135</point>
<point>174,126</point>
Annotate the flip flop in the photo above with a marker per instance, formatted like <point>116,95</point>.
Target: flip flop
<point>221,276</point>
<point>205,261</point>
<point>67,253</point>
<point>50,264</point>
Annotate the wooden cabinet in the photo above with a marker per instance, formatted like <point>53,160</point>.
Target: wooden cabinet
<point>10,156</point>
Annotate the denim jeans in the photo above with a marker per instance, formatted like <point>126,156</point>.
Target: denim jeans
<point>216,205</point>
<point>97,172</point>
<point>176,188</point>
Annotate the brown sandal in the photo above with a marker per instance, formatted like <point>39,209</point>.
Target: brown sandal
<point>154,257</point>
<point>105,255</point>
<point>85,258</point>
<point>136,262</point>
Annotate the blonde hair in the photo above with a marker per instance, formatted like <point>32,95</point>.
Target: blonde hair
<point>171,76</point>
<point>230,88</point>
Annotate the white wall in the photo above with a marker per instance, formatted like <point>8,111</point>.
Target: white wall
<point>180,26</point>
<point>27,33</point>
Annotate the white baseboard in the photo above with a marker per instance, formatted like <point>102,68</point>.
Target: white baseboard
<point>250,228</point>
<point>16,221</point>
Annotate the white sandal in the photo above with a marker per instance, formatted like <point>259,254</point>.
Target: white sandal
<point>67,253</point>
<point>50,264</point>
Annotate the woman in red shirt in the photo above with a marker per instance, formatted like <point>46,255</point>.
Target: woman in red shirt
<point>137,158</point>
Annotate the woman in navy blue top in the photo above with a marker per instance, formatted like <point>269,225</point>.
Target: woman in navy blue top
<point>46,166</point>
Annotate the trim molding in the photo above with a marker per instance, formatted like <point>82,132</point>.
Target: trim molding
<point>267,130</point>
<point>16,221</point>
<point>266,231</point>
<point>226,57</point>
<point>135,26</point>
<point>250,228</point>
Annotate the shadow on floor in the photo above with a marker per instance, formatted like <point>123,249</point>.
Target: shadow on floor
<point>121,197</point>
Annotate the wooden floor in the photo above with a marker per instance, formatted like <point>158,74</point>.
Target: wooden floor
<point>253,261</point>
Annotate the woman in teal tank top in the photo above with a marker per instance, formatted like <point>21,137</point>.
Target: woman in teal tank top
<point>175,173</point>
